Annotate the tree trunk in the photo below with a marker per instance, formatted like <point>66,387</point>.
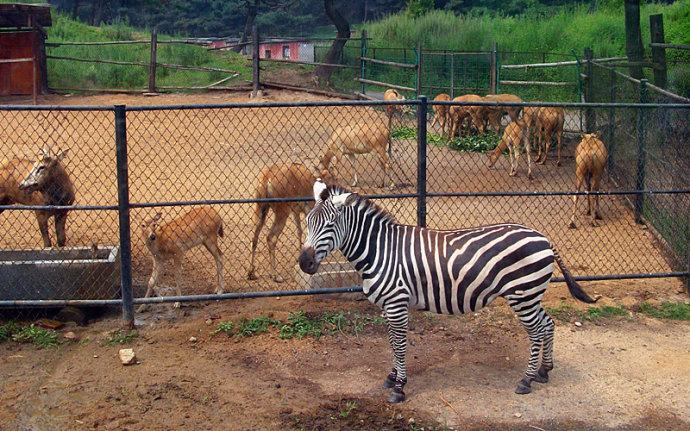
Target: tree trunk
<point>75,9</point>
<point>323,73</point>
<point>97,12</point>
<point>252,10</point>
<point>633,37</point>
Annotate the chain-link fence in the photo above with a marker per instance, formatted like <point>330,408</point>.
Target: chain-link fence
<point>182,157</point>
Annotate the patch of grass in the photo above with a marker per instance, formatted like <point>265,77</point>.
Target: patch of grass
<point>7,329</point>
<point>35,335</point>
<point>344,412</point>
<point>224,327</point>
<point>565,313</point>
<point>120,336</point>
<point>299,325</point>
<point>666,310</point>
<point>404,133</point>
<point>476,143</point>
<point>255,326</point>
<point>596,313</point>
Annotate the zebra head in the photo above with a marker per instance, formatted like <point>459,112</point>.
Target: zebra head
<point>326,226</point>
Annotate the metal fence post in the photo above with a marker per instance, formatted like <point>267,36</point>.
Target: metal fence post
<point>152,61</point>
<point>590,120</point>
<point>641,151</point>
<point>363,64</point>
<point>452,75</point>
<point>419,68</point>
<point>421,161</point>
<point>123,214</point>
<point>612,117</point>
<point>493,71</point>
<point>255,61</point>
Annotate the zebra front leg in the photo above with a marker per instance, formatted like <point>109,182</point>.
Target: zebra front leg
<point>397,335</point>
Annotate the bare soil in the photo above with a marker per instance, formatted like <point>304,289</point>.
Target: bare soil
<point>624,373</point>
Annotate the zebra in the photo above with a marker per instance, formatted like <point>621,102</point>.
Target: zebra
<point>447,272</point>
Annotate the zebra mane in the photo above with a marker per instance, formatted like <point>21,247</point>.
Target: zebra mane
<point>363,202</point>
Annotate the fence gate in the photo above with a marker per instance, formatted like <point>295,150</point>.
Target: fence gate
<point>457,73</point>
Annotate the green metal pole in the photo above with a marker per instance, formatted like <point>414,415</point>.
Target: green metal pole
<point>579,83</point>
<point>363,64</point>
<point>641,151</point>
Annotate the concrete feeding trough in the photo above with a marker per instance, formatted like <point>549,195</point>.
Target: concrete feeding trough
<point>69,273</point>
<point>331,275</point>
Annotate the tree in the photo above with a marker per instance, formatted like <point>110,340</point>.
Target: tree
<point>633,37</point>
<point>323,73</point>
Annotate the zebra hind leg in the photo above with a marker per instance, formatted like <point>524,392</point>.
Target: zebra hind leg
<point>547,350</point>
<point>532,317</point>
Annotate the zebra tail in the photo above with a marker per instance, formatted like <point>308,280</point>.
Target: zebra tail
<point>573,285</point>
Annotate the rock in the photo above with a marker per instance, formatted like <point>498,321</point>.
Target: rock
<point>578,324</point>
<point>518,415</point>
<point>71,336</point>
<point>192,339</point>
<point>127,356</point>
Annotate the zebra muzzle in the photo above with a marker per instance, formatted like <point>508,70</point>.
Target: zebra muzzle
<point>307,261</point>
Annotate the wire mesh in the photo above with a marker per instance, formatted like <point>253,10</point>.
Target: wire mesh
<point>184,157</point>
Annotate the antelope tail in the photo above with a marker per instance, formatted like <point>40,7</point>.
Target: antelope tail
<point>573,286</point>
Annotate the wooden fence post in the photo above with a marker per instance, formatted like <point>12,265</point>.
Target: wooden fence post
<point>493,73</point>
<point>152,61</point>
<point>590,120</point>
<point>255,61</point>
<point>656,28</point>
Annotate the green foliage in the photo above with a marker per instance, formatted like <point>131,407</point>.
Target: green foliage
<point>596,313</point>
<point>476,143</point>
<point>7,329</point>
<point>301,324</point>
<point>71,74</point>
<point>666,310</point>
<point>120,336</point>
<point>35,335</point>
<point>679,80</point>
<point>417,8</point>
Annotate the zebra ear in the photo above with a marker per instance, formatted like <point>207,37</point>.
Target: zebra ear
<point>319,187</point>
<point>344,200</point>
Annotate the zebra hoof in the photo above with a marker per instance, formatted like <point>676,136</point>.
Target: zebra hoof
<point>523,387</point>
<point>396,397</point>
<point>542,375</point>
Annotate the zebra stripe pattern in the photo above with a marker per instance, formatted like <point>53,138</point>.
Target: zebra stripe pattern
<point>446,272</point>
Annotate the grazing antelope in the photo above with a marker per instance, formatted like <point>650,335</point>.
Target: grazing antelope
<point>590,159</point>
<point>391,96</point>
<point>441,112</point>
<point>282,180</point>
<point>494,114</point>
<point>201,225</point>
<point>356,139</point>
<point>515,133</point>
<point>40,182</point>
<point>458,114</point>
<point>547,125</point>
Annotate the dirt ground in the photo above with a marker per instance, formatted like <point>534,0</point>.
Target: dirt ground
<point>619,373</point>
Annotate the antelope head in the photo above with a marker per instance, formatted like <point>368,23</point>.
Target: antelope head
<point>43,173</point>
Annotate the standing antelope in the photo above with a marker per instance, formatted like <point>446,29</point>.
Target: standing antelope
<point>43,182</point>
<point>494,114</point>
<point>515,134</point>
<point>442,112</point>
<point>391,95</point>
<point>458,114</point>
<point>201,225</point>
<point>282,180</point>
<point>449,272</point>
<point>590,159</point>
<point>357,139</point>
<point>547,125</point>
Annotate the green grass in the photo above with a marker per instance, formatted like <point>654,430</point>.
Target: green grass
<point>300,325</point>
<point>475,143</point>
<point>70,74</point>
<point>30,334</point>
<point>666,310</point>
<point>120,336</point>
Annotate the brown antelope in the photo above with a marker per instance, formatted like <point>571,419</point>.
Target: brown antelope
<point>441,112</point>
<point>282,180</point>
<point>590,159</point>
<point>201,225</point>
<point>494,114</point>
<point>40,182</point>
<point>391,95</point>
<point>356,139</point>
<point>516,133</point>
<point>547,125</point>
<point>458,114</point>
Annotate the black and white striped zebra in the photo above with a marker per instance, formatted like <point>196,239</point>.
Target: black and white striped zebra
<point>441,271</point>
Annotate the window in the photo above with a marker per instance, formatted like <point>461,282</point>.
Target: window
<point>286,51</point>
<point>267,53</point>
